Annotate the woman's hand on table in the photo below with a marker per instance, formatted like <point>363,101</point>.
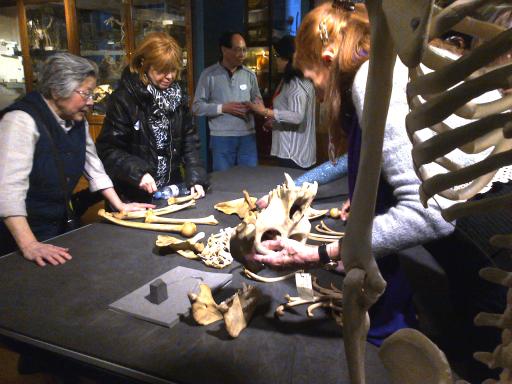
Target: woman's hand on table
<point>42,253</point>
<point>147,183</point>
<point>197,190</point>
<point>131,207</point>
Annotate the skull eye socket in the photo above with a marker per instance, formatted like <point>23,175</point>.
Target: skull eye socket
<point>271,234</point>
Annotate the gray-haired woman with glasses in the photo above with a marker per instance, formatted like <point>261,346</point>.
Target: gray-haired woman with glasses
<point>45,147</point>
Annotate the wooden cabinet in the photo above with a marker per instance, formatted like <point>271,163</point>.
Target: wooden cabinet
<point>104,31</point>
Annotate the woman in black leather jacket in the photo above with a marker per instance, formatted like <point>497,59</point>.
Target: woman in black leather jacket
<point>148,131</point>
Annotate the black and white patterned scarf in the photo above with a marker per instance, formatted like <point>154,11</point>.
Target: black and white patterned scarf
<point>165,102</point>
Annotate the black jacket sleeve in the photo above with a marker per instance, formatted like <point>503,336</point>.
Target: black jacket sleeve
<point>115,140</point>
<point>195,172</point>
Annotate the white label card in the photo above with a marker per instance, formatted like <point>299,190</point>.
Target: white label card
<point>304,286</point>
<point>243,87</point>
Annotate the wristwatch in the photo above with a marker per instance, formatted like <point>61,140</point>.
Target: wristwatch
<point>326,261</point>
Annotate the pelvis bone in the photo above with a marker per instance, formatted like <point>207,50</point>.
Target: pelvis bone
<point>236,311</point>
<point>285,217</point>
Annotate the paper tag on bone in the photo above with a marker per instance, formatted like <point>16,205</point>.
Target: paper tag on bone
<point>304,286</point>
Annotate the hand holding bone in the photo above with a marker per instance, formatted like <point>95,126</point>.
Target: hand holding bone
<point>285,253</point>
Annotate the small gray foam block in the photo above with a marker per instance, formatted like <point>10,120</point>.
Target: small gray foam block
<point>157,292</point>
<point>180,281</point>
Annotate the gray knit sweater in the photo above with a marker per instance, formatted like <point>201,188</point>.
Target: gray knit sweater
<point>407,223</point>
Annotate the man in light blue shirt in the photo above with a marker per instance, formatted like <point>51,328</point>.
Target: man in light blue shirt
<point>222,92</point>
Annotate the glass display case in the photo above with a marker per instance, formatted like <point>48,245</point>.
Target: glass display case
<point>102,37</point>
<point>12,76</point>
<point>46,27</point>
<point>258,60</point>
<point>104,31</point>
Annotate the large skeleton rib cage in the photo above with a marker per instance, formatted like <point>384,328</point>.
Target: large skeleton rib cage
<point>404,28</point>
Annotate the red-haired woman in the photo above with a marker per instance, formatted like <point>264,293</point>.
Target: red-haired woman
<point>148,131</point>
<point>332,49</point>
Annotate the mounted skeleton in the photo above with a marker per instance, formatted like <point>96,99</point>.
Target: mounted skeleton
<point>403,28</point>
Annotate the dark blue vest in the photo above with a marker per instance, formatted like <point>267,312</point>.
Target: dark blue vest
<point>45,201</point>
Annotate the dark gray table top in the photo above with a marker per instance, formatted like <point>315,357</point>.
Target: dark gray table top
<point>65,309</point>
<point>258,181</point>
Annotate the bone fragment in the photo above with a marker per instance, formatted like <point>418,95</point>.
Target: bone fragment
<point>433,148</point>
<point>411,358</point>
<point>175,244</point>
<point>497,276</point>
<point>323,238</point>
<point>239,309</point>
<point>263,279</point>
<point>188,254</point>
<point>217,254</point>
<point>479,207</point>
<point>502,241</point>
<point>151,218</point>
<point>204,308</point>
<point>187,229</point>
<point>441,182</point>
<point>248,200</point>
<point>324,228</point>
<point>182,199</point>
<point>238,206</point>
<point>335,213</point>
<point>316,213</point>
<point>157,212</point>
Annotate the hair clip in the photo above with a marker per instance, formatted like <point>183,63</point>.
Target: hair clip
<point>324,35</point>
<point>344,5</point>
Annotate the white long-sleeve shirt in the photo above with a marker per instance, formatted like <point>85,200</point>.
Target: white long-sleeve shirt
<point>293,131</point>
<point>18,139</point>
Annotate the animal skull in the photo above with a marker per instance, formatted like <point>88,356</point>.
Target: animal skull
<point>285,217</point>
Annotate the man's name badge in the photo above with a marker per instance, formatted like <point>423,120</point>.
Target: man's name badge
<point>304,286</point>
<point>243,87</point>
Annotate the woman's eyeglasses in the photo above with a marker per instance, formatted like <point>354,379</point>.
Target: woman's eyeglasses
<point>88,95</point>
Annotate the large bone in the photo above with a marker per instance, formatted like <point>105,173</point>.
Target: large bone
<point>238,309</point>
<point>182,199</point>
<point>175,244</point>
<point>157,212</point>
<point>187,229</point>
<point>152,218</point>
<point>238,206</point>
<point>363,283</point>
<point>411,358</point>
<point>204,308</point>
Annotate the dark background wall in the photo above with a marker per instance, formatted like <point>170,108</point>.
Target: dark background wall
<point>210,19</point>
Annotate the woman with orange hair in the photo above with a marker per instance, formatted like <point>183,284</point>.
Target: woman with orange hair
<point>148,131</point>
<point>332,49</point>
